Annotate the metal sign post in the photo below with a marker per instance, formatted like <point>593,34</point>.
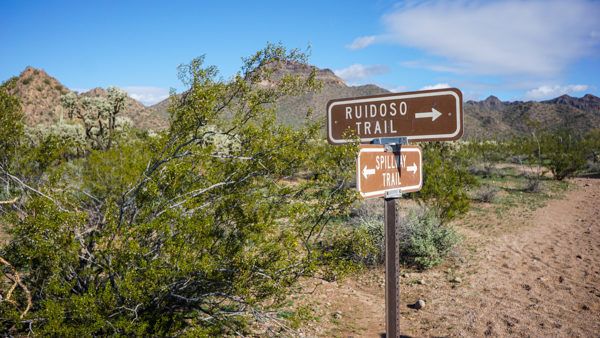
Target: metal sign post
<point>392,269</point>
<point>392,246</point>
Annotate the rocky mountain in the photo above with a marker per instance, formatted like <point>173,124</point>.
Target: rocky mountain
<point>40,94</point>
<point>494,118</point>
<point>588,102</point>
<point>293,110</point>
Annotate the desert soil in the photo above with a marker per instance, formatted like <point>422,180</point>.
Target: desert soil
<point>536,275</point>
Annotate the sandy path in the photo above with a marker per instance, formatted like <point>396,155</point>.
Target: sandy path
<point>540,279</point>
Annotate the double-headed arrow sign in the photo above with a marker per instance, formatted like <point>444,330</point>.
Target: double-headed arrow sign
<point>429,115</point>
<point>378,170</point>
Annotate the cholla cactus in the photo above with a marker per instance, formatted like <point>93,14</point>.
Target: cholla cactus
<point>98,115</point>
<point>223,144</point>
<point>70,136</point>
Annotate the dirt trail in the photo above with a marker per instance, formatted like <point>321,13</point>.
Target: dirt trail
<point>540,278</point>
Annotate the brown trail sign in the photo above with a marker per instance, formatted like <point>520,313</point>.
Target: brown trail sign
<point>379,171</point>
<point>428,115</point>
<point>390,169</point>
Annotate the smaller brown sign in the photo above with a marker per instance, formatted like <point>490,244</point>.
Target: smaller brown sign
<point>379,171</point>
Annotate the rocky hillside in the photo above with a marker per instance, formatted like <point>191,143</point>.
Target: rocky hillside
<point>292,110</point>
<point>588,102</point>
<point>40,94</point>
<point>492,117</point>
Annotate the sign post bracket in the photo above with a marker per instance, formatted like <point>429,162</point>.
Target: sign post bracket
<point>390,140</point>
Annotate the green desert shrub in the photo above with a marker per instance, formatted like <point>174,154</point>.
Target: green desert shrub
<point>487,154</point>
<point>424,241</point>
<point>446,179</point>
<point>11,126</point>
<point>592,145</point>
<point>564,152</point>
<point>195,231</point>
<point>347,249</point>
<point>354,242</point>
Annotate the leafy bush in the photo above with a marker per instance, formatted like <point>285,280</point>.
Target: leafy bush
<point>11,126</point>
<point>488,153</point>
<point>564,152</point>
<point>425,241</point>
<point>592,145</point>
<point>195,231</point>
<point>446,179</point>
<point>347,249</point>
<point>357,243</point>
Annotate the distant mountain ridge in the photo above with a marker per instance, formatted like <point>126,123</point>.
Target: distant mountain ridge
<point>494,118</point>
<point>40,95</point>
<point>588,102</point>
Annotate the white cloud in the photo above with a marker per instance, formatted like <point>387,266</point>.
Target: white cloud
<point>396,89</point>
<point>360,72</point>
<point>362,42</point>
<point>431,66</point>
<point>552,91</point>
<point>147,95</point>
<point>538,37</point>
<point>436,86</point>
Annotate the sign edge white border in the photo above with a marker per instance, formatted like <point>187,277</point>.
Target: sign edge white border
<point>459,116</point>
<point>380,193</point>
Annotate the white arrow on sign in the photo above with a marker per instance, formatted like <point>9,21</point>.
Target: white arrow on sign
<point>412,168</point>
<point>434,114</point>
<point>366,172</point>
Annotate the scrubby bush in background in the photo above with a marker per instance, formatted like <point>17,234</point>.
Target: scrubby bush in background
<point>424,241</point>
<point>564,152</point>
<point>487,153</point>
<point>11,122</point>
<point>486,194</point>
<point>446,179</point>
<point>592,144</point>
<point>346,249</point>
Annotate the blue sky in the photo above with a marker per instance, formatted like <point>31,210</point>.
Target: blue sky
<point>516,50</point>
